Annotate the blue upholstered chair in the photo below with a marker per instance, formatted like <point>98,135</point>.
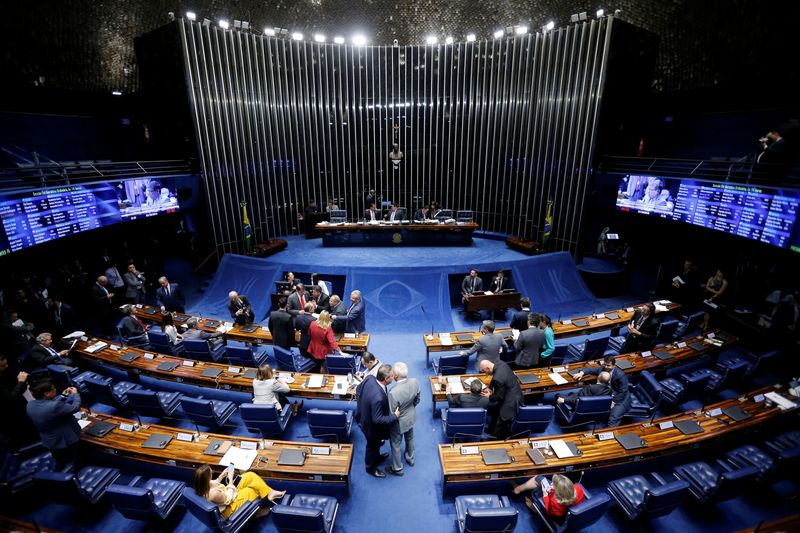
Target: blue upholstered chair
<point>786,448</point>
<point>66,376</point>
<point>558,355</point>
<point>341,364</point>
<point>87,486</point>
<point>532,419</point>
<point>579,516</point>
<point>161,343</point>
<point>749,455</point>
<point>305,513</point>
<point>689,324</point>
<point>326,423</point>
<point>208,413</point>
<point>588,349</point>
<point>589,409</point>
<point>152,403</point>
<point>707,484</point>
<point>17,469</point>
<point>265,418</point>
<point>146,500</point>
<point>138,341</point>
<point>202,350</point>
<point>110,393</point>
<point>208,513</point>
<point>450,365</point>
<point>463,422</point>
<point>758,359</point>
<point>485,513</point>
<point>645,396</point>
<point>684,387</point>
<point>666,330</point>
<point>246,356</point>
<point>292,361</point>
<point>640,499</point>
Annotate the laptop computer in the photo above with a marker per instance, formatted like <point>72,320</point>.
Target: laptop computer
<point>723,336</point>
<point>157,441</point>
<point>612,316</point>
<point>631,441</point>
<point>292,458</point>
<point>465,337</point>
<point>211,372</point>
<point>495,457</point>
<point>688,427</point>
<point>212,323</point>
<point>580,323</point>
<point>624,364</point>
<point>129,357</point>
<point>250,373</point>
<point>100,429</point>
<point>737,413</point>
<point>663,355</point>
<point>167,366</point>
<point>528,379</point>
<point>181,318</point>
<point>248,329</point>
<point>697,346</point>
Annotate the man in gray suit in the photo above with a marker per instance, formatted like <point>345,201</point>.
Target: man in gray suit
<point>405,396</point>
<point>529,343</point>
<point>489,346</point>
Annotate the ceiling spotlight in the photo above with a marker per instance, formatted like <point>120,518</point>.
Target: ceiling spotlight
<point>224,24</point>
<point>431,39</point>
<point>448,40</point>
<point>359,40</point>
<point>549,26</point>
<point>521,30</point>
<point>600,13</point>
<point>471,38</point>
<point>269,31</point>
<point>116,93</point>
<point>338,39</point>
<point>318,37</point>
<point>191,15</point>
<point>499,34</point>
<point>297,36</point>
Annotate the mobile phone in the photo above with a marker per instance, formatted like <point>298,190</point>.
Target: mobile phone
<point>231,469</point>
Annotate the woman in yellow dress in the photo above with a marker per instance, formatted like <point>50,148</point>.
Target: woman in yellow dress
<point>230,497</point>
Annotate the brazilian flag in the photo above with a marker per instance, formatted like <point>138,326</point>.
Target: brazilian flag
<point>248,230</point>
<point>548,223</point>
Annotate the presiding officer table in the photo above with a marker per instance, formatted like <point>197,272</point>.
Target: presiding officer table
<point>397,234</point>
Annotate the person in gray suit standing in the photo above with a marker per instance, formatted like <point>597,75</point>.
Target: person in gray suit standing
<point>489,346</point>
<point>405,396</point>
<point>529,343</point>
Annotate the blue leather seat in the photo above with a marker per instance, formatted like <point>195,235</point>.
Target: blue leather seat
<point>588,349</point>
<point>152,403</point>
<point>292,361</point>
<point>17,469</point>
<point>684,387</point>
<point>640,499</point>
<point>666,330</point>
<point>786,449</point>
<point>463,422</point>
<point>485,513</point>
<point>730,371</point>
<point>558,355</point>
<point>138,341</point>
<point>341,364</point>
<point>532,419</point>
<point>209,413</point>
<point>246,356</point>
<point>589,409</point>
<point>707,484</point>
<point>645,396</point>
<point>88,485</point>
<point>616,342</point>
<point>450,365</point>
<point>579,516</point>
<point>265,418</point>
<point>305,513</point>
<point>202,350</point>
<point>154,498</point>
<point>66,376</point>
<point>208,513</point>
<point>110,393</point>
<point>689,324</point>
<point>325,423</point>
<point>749,455</point>
<point>758,359</point>
<point>161,343</point>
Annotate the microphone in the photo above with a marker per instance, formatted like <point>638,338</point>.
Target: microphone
<point>334,435</point>
<point>139,422</point>
<point>521,433</point>
<point>426,316</point>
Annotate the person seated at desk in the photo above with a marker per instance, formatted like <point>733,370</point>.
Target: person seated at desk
<point>240,309</point>
<point>472,284</point>
<point>642,329</point>
<point>715,293</point>
<point>473,398</point>
<point>394,213</point>
<point>354,318</point>
<point>601,388</point>
<point>169,329</point>
<point>190,331</point>
<point>43,354</point>
<point>529,344</point>
<point>230,497</point>
<point>281,325</point>
<point>371,214</point>
<point>421,215</point>
<point>371,365</point>
<point>268,389</point>
<point>290,278</point>
<point>499,282</point>
<point>489,345</point>
<point>433,209</point>
<point>331,206</point>
<point>319,298</point>
<point>620,393</point>
<point>557,498</point>
<point>130,324</point>
<point>296,301</point>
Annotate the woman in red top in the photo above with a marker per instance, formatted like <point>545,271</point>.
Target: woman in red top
<point>322,342</point>
<point>560,496</point>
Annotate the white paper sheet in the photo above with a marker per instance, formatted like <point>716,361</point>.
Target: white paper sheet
<point>242,459</point>
<point>557,378</point>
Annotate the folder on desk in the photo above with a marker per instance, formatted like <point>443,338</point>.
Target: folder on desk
<point>129,357</point>
<point>624,364</point>
<point>688,427</point>
<point>697,346</point>
<point>316,381</point>
<point>536,456</point>
<point>663,355</point>
<point>158,441</point>
<point>580,323</point>
<point>211,372</point>
<point>151,310</point>
<point>612,316</point>
<point>248,329</point>
<point>211,323</point>
<point>167,366</point>
<point>292,458</point>
<point>495,457</point>
<point>737,413</point>
<point>721,335</point>
<point>464,337</point>
<point>181,318</point>
<point>100,429</point>
<point>218,447</point>
<point>250,373</point>
<point>528,379</point>
<point>631,441</point>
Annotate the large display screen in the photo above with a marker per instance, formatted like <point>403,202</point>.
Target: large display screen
<point>34,217</point>
<point>759,213</point>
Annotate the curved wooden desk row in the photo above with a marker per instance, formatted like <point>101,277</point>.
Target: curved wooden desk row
<point>227,379</point>
<point>331,468</point>
<point>563,329</point>
<point>596,453</point>
<point>259,335</point>
<point>681,353</point>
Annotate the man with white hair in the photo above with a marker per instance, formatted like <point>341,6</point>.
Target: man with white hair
<point>404,396</point>
<point>44,354</point>
<point>240,309</point>
<point>354,320</point>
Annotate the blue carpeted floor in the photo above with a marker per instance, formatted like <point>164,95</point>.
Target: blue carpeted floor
<point>415,502</point>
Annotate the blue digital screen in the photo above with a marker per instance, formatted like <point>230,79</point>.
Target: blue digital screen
<point>761,214</point>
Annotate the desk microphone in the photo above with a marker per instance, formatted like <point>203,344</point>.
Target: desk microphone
<point>426,316</point>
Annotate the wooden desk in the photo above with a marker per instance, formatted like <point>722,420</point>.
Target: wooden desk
<point>261,335</point>
<point>563,329</point>
<point>397,234</point>
<point>193,374</point>
<point>503,300</point>
<point>458,468</point>
<point>333,468</point>
<point>651,363</point>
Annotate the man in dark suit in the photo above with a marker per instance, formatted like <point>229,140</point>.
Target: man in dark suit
<point>489,345</point>
<point>43,354</point>
<point>472,284</point>
<point>337,308</point>
<point>529,344</point>
<point>297,300</point>
<point>319,298</point>
<point>394,213</point>
<point>281,325</point>
<point>240,309</point>
<point>354,319</point>
<point>371,214</point>
<point>620,393</point>
<point>130,324</point>
<point>374,418</point>
<point>103,304</point>
<point>301,324</point>
<point>520,319</point>
<point>472,398</point>
<point>422,214</point>
<point>642,329</point>
<point>60,316</point>
<point>601,388</point>
<point>16,430</point>
<point>499,282</point>
<point>169,296</point>
<point>505,397</point>
<point>52,415</point>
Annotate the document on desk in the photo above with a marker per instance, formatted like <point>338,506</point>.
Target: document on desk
<point>241,459</point>
<point>445,339</point>
<point>456,388</point>
<point>557,378</point>
<point>561,449</point>
<point>315,381</point>
<point>780,401</point>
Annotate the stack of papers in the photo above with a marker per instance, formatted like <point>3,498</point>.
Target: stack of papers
<point>96,347</point>
<point>445,339</point>
<point>561,449</point>
<point>315,381</point>
<point>780,401</point>
<point>557,378</point>
<point>456,387</point>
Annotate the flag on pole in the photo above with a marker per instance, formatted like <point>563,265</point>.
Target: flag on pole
<point>548,223</point>
<point>248,231</point>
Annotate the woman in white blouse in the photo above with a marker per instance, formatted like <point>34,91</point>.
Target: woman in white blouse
<point>269,389</point>
<point>169,329</point>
